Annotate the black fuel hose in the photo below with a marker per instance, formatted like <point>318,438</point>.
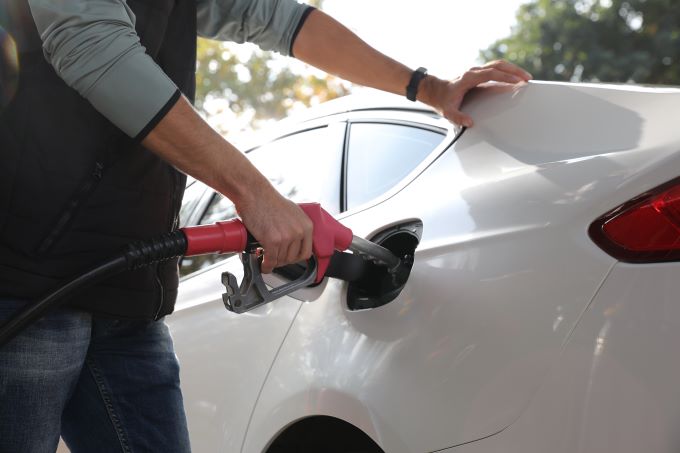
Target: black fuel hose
<point>137,255</point>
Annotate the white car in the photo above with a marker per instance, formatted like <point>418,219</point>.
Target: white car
<point>542,312</point>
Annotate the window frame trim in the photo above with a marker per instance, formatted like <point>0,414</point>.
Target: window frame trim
<point>449,137</point>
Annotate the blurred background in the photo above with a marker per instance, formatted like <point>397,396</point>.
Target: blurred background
<point>618,41</point>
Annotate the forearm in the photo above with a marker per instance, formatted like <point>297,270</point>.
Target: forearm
<point>326,44</point>
<point>185,140</point>
<point>191,145</point>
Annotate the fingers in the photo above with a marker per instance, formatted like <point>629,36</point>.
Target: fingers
<point>275,251</point>
<point>473,78</point>
<point>509,68</point>
<point>306,249</point>
<point>270,259</point>
<point>455,91</point>
<point>285,233</point>
<point>280,251</point>
<point>459,117</point>
<point>498,71</point>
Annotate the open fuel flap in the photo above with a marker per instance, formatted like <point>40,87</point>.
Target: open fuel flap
<point>377,286</point>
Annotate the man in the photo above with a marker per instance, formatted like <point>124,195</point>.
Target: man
<point>75,186</point>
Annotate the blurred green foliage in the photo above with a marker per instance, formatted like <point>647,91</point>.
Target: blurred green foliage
<point>636,41</point>
<point>258,81</point>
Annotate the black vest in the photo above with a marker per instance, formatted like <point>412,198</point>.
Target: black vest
<point>74,190</point>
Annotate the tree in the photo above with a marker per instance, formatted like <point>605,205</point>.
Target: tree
<point>636,41</point>
<point>260,85</point>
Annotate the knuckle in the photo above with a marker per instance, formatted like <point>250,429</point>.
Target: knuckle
<point>307,233</point>
<point>300,232</point>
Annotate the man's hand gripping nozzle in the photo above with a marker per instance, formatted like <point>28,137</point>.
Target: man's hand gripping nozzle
<point>330,237</point>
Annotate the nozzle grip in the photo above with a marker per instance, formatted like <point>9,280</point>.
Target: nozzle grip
<point>329,235</point>
<point>221,237</point>
<point>231,236</point>
<point>253,292</point>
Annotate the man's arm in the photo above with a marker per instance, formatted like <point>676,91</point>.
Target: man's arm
<point>93,46</point>
<point>271,24</point>
<point>190,144</point>
<point>327,44</point>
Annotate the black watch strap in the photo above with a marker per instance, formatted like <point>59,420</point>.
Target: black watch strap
<point>412,87</point>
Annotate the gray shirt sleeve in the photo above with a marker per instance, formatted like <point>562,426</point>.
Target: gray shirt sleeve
<point>93,46</point>
<point>271,24</point>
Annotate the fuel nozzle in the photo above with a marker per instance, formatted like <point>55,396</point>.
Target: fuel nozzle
<point>330,238</point>
<point>397,267</point>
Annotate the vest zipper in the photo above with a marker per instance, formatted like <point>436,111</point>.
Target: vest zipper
<point>156,316</point>
<point>71,208</point>
<point>172,224</point>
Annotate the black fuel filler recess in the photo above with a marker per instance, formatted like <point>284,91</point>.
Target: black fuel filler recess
<point>377,286</point>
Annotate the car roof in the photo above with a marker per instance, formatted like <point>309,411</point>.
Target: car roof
<point>362,100</point>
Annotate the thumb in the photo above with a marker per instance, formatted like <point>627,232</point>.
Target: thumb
<point>460,118</point>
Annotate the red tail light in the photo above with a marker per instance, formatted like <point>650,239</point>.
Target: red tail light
<point>644,230</point>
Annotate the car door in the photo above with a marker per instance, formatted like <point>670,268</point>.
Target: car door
<point>225,357</point>
<point>336,360</point>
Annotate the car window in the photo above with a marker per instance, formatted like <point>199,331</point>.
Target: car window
<point>192,195</point>
<point>219,208</point>
<point>380,155</point>
<point>304,167</point>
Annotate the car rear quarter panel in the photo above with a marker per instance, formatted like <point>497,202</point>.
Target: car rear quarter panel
<point>615,387</point>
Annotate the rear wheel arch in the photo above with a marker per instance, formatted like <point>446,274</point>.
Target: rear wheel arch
<point>323,433</point>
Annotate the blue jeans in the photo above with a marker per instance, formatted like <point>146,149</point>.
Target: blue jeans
<point>105,385</point>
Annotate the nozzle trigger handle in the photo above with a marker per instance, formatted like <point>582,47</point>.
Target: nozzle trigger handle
<point>253,292</point>
<point>329,235</point>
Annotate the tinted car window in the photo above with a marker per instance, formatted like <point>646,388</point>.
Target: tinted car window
<point>381,155</point>
<point>192,196</point>
<point>220,208</point>
<point>303,167</point>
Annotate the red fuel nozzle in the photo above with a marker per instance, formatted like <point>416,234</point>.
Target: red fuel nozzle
<point>221,237</point>
<point>329,235</point>
<point>231,236</point>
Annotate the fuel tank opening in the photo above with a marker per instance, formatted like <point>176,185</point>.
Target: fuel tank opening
<point>377,286</point>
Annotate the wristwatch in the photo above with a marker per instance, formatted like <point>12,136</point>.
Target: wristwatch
<point>412,87</point>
